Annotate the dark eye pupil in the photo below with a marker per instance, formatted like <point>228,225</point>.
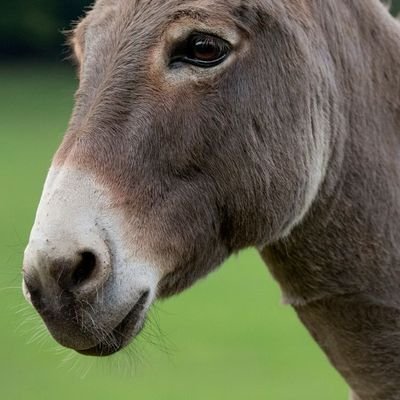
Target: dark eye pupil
<point>205,50</point>
<point>201,50</point>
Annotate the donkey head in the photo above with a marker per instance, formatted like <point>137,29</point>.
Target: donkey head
<point>197,131</point>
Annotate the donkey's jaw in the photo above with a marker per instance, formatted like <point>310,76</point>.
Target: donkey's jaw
<point>91,288</point>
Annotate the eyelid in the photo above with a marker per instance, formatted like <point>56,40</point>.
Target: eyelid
<point>205,34</point>
<point>212,39</point>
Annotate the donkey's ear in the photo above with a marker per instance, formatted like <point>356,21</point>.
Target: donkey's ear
<point>76,36</point>
<point>76,44</point>
<point>76,39</point>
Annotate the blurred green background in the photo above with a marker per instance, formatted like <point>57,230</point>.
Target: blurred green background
<point>227,338</point>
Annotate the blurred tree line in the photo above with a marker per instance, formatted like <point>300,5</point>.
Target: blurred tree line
<point>34,28</point>
<point>396,7</point>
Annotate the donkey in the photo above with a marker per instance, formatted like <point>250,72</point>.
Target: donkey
<point>203,127</point>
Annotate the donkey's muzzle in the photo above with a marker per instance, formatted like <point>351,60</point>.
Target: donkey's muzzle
<point>91,287</point>
<point>59,281</point>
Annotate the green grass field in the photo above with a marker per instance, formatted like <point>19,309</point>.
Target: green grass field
<point>229,337</point>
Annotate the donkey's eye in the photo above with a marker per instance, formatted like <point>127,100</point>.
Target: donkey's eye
<point>202,50</point>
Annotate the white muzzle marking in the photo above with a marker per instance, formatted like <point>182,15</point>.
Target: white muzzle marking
<point>76,215</point>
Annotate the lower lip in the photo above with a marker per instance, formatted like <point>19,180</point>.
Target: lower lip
<point>103,349</point>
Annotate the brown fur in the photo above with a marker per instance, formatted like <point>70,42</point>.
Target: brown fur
<point>205,167</point>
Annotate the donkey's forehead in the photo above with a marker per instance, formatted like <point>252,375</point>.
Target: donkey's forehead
<point>146,13</point>
<point>120,23</point>
<point>167,9</point>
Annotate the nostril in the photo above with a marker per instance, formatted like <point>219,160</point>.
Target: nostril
<point>84,269</point>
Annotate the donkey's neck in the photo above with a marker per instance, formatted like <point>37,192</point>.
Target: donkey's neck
<point>354,223</point>
<point>340,267</point>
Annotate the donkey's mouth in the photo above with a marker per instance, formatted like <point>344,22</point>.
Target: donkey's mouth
<point>122,334</point>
